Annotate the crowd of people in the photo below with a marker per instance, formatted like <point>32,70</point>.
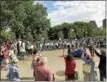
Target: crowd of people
<point>14,51</point>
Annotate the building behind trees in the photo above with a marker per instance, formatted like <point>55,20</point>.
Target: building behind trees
<point>104,23</point>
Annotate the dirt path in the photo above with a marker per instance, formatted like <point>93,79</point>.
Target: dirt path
<point>55,63</point>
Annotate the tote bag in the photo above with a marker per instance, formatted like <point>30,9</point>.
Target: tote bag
<point>86,68</point>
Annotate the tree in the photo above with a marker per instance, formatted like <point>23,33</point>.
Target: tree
<point>12,36</point>
<point>68,30</point>
<point>12,15</point>
<point>60,35</point>
<point>4,34</point>
<point>53,32</point>
<point>36,21</point>
<point>65,27</point>
<point>24,18</point>
<point>71,34</point>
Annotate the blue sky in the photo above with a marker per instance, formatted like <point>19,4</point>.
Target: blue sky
<point>49,5</point>
<point>71,11</point>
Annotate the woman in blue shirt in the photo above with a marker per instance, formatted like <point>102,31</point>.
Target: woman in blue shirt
<point>13,74</point>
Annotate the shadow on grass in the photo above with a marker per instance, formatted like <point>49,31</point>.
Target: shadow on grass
<point>60,73</point>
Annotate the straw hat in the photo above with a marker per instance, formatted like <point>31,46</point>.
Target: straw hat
<point>43,60</point>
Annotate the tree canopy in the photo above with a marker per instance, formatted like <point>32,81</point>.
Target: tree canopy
<point>24,18</point>
<point>31,22</point>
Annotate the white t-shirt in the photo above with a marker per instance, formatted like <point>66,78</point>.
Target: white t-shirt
<point>20,42</point>
<point>22,48</point>
<point>41,45</point>
<point>32,47</point>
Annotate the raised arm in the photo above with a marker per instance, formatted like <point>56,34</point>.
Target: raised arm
<point>97,53</point>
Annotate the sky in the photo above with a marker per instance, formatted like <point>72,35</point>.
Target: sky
<point>71,11</point>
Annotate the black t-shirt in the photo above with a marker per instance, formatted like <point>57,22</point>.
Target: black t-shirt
<point>102,63</point>
<point>1,58</point>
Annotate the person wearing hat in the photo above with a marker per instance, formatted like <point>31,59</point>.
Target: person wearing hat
<point>102,64</point>
<point>13,74</point>
<point>43,73</point>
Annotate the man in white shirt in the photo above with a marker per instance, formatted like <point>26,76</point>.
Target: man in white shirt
<point>22,51</point>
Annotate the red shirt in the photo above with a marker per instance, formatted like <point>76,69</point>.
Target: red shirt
<point>5,52</point>
<point>70,66</point>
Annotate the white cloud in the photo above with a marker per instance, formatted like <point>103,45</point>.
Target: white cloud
<point>71,11</point>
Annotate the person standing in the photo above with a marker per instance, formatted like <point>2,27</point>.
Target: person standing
<point>12,54</point>
<point>43,73</point>
<point>1,59</point>
<point>13,74</point>
<point>35,62</point>
<point>70,67</point>
<point>69,50</point>
<point>6,57</point>
<point>90,74</point>
<point>35,57</point>
<point>41,46</point>
<point>18,49</point>
<point>91,50</point>
<point>22,51</point>
<point>102,64</point>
